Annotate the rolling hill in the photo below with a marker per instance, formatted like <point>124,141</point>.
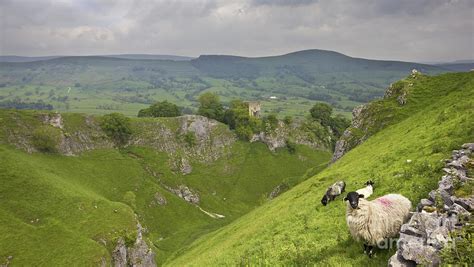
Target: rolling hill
<point>295,81</point>
<point>404,155</point>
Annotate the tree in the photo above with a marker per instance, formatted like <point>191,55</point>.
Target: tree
<point>321,112</point>
<point>117,127</point>
<point>210,106</point>
<point>338,124</point>
<point>160,109</point>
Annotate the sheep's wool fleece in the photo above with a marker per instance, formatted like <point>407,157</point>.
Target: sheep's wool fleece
<point>366,191</point>
<point>336,188</point>
<point>378,219</point>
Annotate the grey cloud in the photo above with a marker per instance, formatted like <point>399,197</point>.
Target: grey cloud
<point>406,30</point>
<point>283,2</point>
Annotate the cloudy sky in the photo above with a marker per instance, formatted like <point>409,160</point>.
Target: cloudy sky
<point>411,30</point>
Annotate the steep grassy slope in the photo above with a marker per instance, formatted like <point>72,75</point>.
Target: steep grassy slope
<point>100,84</point>
<point>58,210</point>
<point>405,158</point>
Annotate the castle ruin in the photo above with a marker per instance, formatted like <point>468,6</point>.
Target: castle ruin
<point>254,108</point>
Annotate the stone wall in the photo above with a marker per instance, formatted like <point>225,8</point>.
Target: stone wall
<point>428,231</point>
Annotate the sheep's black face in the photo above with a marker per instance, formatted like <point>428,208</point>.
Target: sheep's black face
<point>353,198</point>
<point>324,201</point>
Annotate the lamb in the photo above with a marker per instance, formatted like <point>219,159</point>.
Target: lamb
<point>333,191</point>
<point>368,190</point>
<point>374,221</point>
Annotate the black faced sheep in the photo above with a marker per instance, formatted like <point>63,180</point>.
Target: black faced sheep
<point>333,191</point>
<point>374,221</point>
<point>368,190</point>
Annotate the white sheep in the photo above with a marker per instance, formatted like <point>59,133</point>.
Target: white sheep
<point>368,190</point>
<point>333,191</point>
<point>374,221</point>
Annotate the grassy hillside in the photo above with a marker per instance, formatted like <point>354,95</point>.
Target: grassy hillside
<point>58,210</point>
<point>404,157</point>
<point>98,85</point>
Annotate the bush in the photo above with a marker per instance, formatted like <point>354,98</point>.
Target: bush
<point>291,146</point>
<point>46,138</point>
<point>288,120</point>
<point>270,123</point>
<point>210,106</point>
<point>160,109</point>
<point>321,112</point>
<point>244,132</point>
<point>117,127</point>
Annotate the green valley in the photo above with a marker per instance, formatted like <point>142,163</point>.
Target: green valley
<point>73,206</point>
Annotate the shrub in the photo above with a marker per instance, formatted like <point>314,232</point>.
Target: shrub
<point>288,120</point>
<point>190,139</point>
<point>117,127</point>
<point>160,109</point>
<point>270,123</point>
<point>244,132</point>
<point>46,138</point>
<point>459,250</point>
<point>291,146</point>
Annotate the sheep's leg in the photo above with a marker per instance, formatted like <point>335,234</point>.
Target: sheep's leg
<point>365,248</point>
<point>370,251</point>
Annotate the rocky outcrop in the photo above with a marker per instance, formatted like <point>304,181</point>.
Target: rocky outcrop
<point>296,132</point>
<point>352,135</point>
<point>278,190</point>
<point>428,231</point>
<point>368,119</point>
<point>185,193</point>
<point>185,138</point>
<point>137,255</point>
<point>158,199</point>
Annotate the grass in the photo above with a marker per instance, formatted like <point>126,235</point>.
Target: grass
<point>295,229</point>
<point>58,210</point>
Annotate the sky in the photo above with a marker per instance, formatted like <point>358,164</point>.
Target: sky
<point>409,30</point>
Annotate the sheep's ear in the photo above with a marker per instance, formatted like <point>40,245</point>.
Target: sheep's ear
<point>361,196</point>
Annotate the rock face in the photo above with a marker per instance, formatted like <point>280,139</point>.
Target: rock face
<point>422,238</point>
<point>349,139</point>
<point>138,255</point>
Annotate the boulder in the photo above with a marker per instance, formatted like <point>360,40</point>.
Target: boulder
<point>398,261</point>
<point>466,203</point>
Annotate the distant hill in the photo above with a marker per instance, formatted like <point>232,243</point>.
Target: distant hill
<point>123,56</point>
<point>24,59</point>
<point>457,66</point>
<point>151,57</point>
<point>286,85</point>
<point>302,63</point>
